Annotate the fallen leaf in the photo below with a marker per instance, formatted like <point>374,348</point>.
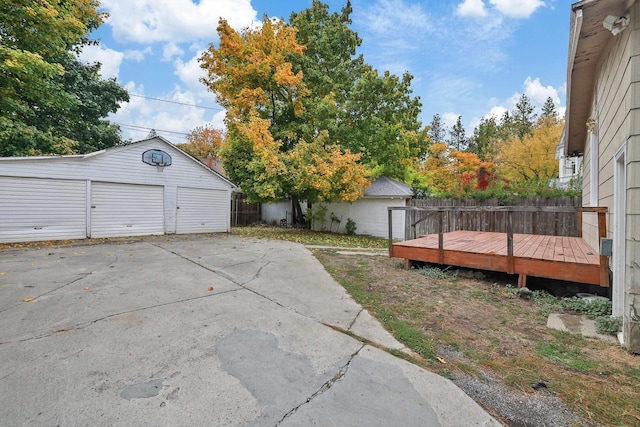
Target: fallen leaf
<point>210,288</point>
<point>28,299</point>
<point>87,288</point>
<point>2,273</point>
<point>441,360</point>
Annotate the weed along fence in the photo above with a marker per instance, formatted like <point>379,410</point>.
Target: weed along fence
<point>509,250</point>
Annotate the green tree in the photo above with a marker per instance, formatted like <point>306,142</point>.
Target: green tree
<point>523,117</point>
<point>372,114</point>
<point>291,90</point>
<point>549,111</point>
<point>457,136</point>
<point>437,132</point>
<point>484,136</point>
<point>49,102</point>
<point>254,79</point>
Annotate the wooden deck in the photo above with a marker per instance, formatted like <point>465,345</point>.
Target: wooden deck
<point>554,257</point>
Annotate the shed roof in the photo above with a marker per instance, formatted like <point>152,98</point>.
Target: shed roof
<point>387,187</point>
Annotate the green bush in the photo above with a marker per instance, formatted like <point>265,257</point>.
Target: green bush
<point>608,325</point>
<point>350,227</point>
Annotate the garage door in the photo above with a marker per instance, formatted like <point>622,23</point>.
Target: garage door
<point>126,209</point>
<point>202,210</point>
<point>42,209</point>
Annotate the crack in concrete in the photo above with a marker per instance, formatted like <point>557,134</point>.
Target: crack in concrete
<point>342,372</point>
<point>83,325</point>
<point>81,277</point>
<point>235,281</point>
<point>354,319</point>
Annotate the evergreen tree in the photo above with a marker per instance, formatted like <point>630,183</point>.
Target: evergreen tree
<point>523,117</point>
<point>458,138</point>
<point>437,133</point>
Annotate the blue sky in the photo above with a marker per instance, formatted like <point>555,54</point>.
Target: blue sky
<point>469,58</point>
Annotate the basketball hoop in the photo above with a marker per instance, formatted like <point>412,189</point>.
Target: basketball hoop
<point>159,167</point>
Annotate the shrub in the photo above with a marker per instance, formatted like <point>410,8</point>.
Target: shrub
<point>351,227</point>
<point>608,325</point>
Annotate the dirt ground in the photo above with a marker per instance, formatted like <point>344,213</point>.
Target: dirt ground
<point>474,329</point>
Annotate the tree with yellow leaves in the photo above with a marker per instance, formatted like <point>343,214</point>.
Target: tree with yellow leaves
<point>252,75</point>
<point>204,141</point>
<point>530,161</point>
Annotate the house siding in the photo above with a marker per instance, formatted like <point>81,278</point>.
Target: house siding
<point>616,108</point>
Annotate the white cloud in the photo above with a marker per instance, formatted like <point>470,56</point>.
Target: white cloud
<point>449,119</point>
<point>517,8</point>
<point>137,55</point>
<point>148,21</point>
<point>538,94</point>
<point>389,16</point>
<point>173,120</point>
<point>471,8</point>
<point>109,59</point>
<point>190,72</point>
<point>170,50</point>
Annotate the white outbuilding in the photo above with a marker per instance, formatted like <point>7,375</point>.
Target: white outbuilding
<point>143,188</point>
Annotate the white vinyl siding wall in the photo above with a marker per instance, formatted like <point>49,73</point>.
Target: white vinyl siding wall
<point>370,216</point>
<point>42,209</point>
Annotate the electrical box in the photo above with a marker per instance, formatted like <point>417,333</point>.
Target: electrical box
<point>606,247</point>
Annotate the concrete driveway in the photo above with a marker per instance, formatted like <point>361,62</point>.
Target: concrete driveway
<point>200,330</point>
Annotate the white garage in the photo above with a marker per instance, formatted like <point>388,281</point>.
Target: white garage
<point>147,187</point>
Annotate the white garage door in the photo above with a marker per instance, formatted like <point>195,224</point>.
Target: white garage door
<point>126,209</point>
<point>34,209</point>
<point>202,210</point>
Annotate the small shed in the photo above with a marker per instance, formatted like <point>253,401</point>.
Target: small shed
<point>143,188</point>
<point>370,211</point>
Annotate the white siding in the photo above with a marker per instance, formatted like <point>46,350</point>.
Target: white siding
<point>273,212</point>
<point>42,209</point>
<point>370,216</point>
<point>126,210</point>
<point>123,165</point>
<point>201,210</point>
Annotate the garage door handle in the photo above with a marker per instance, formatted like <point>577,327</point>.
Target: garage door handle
<point>177,207</point>
<point>93,206</point>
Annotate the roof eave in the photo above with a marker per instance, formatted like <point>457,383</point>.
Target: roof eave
<point>587,41</point>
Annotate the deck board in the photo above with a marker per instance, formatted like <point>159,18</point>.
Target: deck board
<point>555,257</point>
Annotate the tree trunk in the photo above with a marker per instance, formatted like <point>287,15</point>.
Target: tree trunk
<point>298,218</point>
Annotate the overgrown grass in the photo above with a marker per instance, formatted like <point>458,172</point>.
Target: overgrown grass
<point>309,237</point>
<point>495,333</point>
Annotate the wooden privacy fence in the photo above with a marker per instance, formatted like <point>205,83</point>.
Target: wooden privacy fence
<point>242,212</point>
<point>534,218</point>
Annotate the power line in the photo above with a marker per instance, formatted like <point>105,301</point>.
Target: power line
<point>177,102</point>
<point>143,128</point>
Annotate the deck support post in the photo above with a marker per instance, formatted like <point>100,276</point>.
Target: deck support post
<point>390,243</point>
<point>604,261</point>
<point>510,260</point>
<point>522,281</point>
<point>440,239</point>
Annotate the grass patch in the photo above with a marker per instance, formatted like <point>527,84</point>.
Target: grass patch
<point>309,237</point>
<point>489,330</point>
<point>566,355</point>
